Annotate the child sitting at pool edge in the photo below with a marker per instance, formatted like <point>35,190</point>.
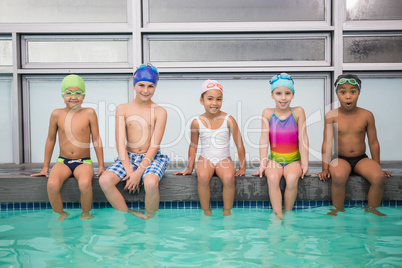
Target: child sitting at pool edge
<point>284,130</point>
<point>74,125</point>
<point>347,127</point>
<point>213,129</point>
<point>141,123</point>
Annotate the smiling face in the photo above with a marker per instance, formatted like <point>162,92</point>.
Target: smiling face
<point>73,102</point>
<point>348,96</point>
<point>212,101</point>
<point>283,97</point>
<point>144,90</point>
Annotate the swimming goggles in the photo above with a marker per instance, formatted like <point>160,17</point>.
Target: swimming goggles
<point>211,85</point>
<point>153,68</point>
<point>280,76</point>
<point>351,81</point>
<point>69,93</point>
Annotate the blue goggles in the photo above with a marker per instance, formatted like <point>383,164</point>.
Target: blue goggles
<point>280,76</point>
<point>153,68</point>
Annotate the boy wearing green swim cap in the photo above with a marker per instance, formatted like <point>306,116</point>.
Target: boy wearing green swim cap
<point>346,127</point>
<point>74,126</point>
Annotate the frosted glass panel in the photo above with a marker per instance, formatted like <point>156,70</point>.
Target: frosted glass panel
<point>6,125</point>
<point>58,51</point>
<point>102,94</point>
<point>6,53</point>
<point>373,10</point>
<point>200,49</point>
<point>372,49</point>
<point>245,108</point>
<point>60,11</point>
<point>387,115</point>
<point>163,11</point>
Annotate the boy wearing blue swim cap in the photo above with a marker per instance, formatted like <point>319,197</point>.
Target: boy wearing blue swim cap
<point>74,126</point>
<point>140,125</point>
<point>347,127</point>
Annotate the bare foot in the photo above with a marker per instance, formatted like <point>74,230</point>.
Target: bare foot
<point>334,211</point>
<point>374,211</point>
<point>86,216</point>
<point>226,212</point>
<point>142,215</point>
<point>279,215</point>
<point>63,215</point>
<point>207,212</point>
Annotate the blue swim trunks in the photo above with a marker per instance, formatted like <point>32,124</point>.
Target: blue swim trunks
<point>74,163</point>
<point>157,166</point>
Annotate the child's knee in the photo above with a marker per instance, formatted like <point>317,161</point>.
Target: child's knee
<point>85,185</point>
<point>53,185</point>
<point>105,181</point>
<point>292,181</point>
<point>228,180</point>
<point>151,183</point>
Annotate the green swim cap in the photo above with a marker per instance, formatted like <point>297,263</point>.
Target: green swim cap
<point>72,80</point>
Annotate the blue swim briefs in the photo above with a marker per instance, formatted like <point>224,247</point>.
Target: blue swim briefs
<point>157,166</point>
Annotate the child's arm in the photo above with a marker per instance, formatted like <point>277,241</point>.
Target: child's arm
<point>121,138</point>
<point>264,142</point>
<point>326,148</point>
<point>134,178</point>
<point>303,141</point>
<point>96,140</point>
<point>234,129</point>
<point>49,145</point>
<point>192,150</point>
<point>373,143</point>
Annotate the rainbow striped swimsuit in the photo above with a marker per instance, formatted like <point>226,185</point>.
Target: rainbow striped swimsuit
<point>284,139</point>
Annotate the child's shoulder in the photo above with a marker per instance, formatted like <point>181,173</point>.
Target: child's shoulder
<point>298,110</point>
<point>267,112</point>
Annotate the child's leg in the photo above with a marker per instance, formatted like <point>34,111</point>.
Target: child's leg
<point>151,187</point>
<point>274,174</point>
<point>372,171</point>
<point>108,182</point>
<point>292,173</point>
<point>340,171</point>
<point>84,174</point>
<point>226,173</point>
<point>204,170</point>
<point>58,175</point>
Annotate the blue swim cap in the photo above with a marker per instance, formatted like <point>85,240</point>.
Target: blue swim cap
<point>282,80</point>
<point>147,73</point>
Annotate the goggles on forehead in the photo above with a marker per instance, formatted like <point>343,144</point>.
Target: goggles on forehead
<point>153,68</point>
<point>211,85</point>
<point>280,76</point>
<point>351,81</point>
<point>69,93</point>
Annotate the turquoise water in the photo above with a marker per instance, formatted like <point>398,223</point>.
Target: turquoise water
<point>186,238</point>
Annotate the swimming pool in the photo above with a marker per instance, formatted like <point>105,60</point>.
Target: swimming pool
<point>186,238</point>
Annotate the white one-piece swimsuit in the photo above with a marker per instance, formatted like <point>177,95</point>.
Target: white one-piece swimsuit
<point>215,143</point>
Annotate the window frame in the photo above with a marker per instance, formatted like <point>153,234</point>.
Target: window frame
<point>147,38</point>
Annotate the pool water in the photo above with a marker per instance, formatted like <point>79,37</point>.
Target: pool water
<point>186,238</point>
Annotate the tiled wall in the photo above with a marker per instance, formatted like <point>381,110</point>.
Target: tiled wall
<point>189,205</point>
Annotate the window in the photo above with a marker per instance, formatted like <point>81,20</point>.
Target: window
<point>379,48</point>
<point>6,56</point>
<point>103,93</point>
<point>45,11</point>
<point>6,123</point>
<point>373,10</point>
<point>238,50</point>
<point>76,51</point>
<point>206,11</point>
